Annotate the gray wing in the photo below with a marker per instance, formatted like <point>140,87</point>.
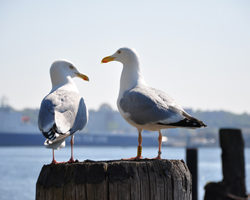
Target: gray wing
<point>58,113</point>
<point>81,117</point>
<point>149,106</point>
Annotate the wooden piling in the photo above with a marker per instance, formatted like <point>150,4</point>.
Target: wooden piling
<point>192,163</point>
<point>115,180</point>
<point>233,167</point>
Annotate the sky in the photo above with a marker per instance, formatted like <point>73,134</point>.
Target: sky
<point>196,51</point>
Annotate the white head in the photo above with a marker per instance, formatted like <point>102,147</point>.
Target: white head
<point>124,55</point>
<point>131,74</point>
<point>61,71</point>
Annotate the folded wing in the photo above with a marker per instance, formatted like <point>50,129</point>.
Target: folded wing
<point>151,106</point>
<point>61,114</point>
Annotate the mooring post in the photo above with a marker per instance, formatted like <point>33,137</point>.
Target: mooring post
<point>233,167</point>
<point>115,180</point>
<point>192,163</point>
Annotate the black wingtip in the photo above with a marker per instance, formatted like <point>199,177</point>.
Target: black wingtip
<point>196,123</point>
<point>189,122</point>
<point>204,125</point>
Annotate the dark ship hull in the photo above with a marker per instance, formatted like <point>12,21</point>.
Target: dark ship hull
<point>36,139</point>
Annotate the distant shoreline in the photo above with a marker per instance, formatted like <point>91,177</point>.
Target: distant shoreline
<point>36,139</point>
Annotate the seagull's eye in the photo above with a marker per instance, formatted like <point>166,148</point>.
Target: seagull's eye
<point>71,67</point>
<point>118,51</point>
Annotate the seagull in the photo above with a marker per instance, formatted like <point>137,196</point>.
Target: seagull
<point>62,111</point>
<point>144,107</point>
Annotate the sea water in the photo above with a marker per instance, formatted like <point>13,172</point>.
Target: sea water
<point>20,166</point>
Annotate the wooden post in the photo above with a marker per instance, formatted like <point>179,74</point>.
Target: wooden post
<point>233,167</point>
<point>192,163</point>
<point>115,180</point>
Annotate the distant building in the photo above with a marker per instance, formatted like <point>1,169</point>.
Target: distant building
<point>14,122</point>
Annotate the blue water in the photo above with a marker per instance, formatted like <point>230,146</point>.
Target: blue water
<point>20,166</point>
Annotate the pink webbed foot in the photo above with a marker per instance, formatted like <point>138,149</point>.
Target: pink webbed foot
<point>54,162</point>
<point>157,158</point>
<point>71,160</point>
<point>134,158</point>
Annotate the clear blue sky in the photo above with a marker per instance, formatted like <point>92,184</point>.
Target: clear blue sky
<point>196,51</point>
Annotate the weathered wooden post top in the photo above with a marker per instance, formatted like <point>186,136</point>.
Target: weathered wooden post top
<point>115,180</point>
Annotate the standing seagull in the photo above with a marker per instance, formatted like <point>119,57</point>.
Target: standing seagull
<point>62,111</point>
<point>144,107</point>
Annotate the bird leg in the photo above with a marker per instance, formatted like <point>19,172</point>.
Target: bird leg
<point>139,148</point>
<point>71,160</point>
<point>159,142</point>
<point>53,156</point>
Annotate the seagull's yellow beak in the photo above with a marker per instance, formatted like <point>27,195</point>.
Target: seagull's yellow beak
<point>108,59</point>
<point>82,76</point>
